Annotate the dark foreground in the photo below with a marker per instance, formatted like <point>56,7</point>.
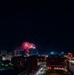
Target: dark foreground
<point>11,71</point>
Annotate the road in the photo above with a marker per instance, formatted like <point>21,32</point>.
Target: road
<point>54,74</point>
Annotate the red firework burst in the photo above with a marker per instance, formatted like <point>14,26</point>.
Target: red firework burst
<point>27,46</point>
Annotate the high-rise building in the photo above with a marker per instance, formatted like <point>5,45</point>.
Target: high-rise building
<point>29,63</point>
<point>18,61</point>
<point>3,53</point>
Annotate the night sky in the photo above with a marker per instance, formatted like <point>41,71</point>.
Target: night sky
<point>48,24</point>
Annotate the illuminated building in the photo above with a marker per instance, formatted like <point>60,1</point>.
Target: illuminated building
<point>40,60</point>
<point>7,57</point>
<point>53,61</point>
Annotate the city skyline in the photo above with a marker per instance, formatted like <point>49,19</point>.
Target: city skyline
<point>36,37</point>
